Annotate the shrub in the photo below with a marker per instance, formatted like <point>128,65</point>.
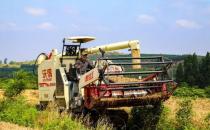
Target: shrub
<point>4,83</point>
<point>29,79</point>
<point>18,112</point>
<point>190,92</point>
<point>63,123</point>
<point>164,122</point>
<point>207,120</point>
<point>14,88</point>
<point>145,117</point>
<point>207,117</point>
<point>184,115</point>
<point>103,124</point>
<point>184,84</point>
<point>207,91</point>
<point>52,120</point>
<point>20,81</point>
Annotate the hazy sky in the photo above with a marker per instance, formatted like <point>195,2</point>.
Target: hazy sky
<point>29,27</point>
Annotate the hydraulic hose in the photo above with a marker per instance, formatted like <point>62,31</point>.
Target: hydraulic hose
<point>34,67</point>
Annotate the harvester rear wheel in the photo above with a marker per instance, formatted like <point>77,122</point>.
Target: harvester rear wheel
<point>118,118</point>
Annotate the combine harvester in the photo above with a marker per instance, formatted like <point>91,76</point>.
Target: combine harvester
<point>113,81</point>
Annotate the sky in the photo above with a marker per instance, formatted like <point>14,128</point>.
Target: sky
<point>30,27</point>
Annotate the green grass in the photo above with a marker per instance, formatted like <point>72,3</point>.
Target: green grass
<point>51,120</point>
<point>165,123</point>
<point>18,111</point>
<point>184,115</point>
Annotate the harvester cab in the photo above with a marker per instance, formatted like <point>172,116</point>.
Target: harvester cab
<point>114,81</point>
<point>73,50</point>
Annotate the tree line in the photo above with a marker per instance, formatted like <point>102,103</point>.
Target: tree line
<point>5,61</point>
<point>194,71</point>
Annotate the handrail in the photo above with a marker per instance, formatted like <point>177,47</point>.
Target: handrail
<point>129,88</point>
<point>142,63</point>
<point>128,58</point>
<point>129,73</point>
<point>142,82</point>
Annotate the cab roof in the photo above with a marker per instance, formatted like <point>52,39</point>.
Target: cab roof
<point>80,39</point>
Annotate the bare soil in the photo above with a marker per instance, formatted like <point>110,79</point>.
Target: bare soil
<point>10,126</point>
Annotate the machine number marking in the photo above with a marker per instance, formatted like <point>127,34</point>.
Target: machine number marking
<point>46,84</point>
<point>89,77</point>
<point>47,75</point>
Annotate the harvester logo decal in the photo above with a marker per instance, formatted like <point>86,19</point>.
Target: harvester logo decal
<point>47,75</point>
<point>89,77</point>
<point>46,78</point>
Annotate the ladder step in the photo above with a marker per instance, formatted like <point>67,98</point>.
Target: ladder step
<point>59,97</point>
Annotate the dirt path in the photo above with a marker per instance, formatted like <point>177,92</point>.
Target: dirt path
<point>10,126</point>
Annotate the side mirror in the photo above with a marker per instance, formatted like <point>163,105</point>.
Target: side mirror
<point>102,52</point>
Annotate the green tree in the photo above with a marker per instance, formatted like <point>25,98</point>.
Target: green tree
<point>204,79</point>
<point>188,75</point>
<point>0,61</point>
<point>5,61</point>
<point>180,73</point>
<point>195,69</point>
<point>12,62</point>
<point>191,70</point>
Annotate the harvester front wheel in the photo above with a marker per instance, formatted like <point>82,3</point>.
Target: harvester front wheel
<point>41,106</point>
